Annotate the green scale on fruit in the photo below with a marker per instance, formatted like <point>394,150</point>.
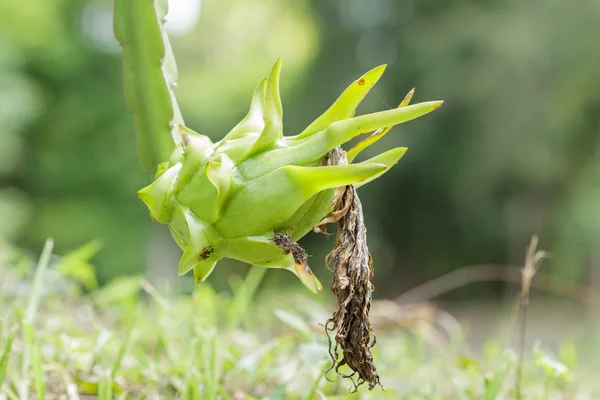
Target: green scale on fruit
<point>256,192</point>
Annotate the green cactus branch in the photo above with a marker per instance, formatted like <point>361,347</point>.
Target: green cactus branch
<point>149,76</point>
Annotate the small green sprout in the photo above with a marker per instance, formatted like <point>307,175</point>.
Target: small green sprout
<point>252,195</point>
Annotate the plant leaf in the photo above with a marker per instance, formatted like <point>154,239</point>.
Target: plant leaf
<point>6,354</point>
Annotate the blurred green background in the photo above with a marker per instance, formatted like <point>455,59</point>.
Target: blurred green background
<point>515,150</point>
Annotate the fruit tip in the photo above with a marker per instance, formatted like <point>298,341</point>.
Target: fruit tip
<point>381,69</point>
<point>436,104</point>
<point>406,100</point>
<point>374,74</point>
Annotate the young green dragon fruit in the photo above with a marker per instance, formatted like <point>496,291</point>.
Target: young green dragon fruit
<point>253,194</point>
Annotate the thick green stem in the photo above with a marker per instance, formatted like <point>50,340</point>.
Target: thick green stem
<point>149,76</point>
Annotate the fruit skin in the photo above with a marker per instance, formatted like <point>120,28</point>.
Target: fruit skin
<point>251,195</point>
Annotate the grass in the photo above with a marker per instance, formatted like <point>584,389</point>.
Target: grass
<point>130,340</point>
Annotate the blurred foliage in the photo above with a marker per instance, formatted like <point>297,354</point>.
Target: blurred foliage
<point>139,341</point>
<point>514,151</point>
<point>75,166</point>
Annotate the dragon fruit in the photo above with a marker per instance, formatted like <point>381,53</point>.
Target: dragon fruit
<point>252,195</point>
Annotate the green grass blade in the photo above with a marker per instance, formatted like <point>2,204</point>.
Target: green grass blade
<point>102,339</point>
<point>189,388</point>
<point>105,387</point>
<point>494,384</point>
<point>213,365</point>
<point>11,394</point>
<point>38,281</point>
<point>27,331</point>
<point>244,295</point>
<point>294,321</point>
<point>224,395</point>
<point>76,264</point>
<point>6,355</point>
<point>149,76</point>
<point>38,373</point>
<point>151,290</point>
<point>122,351</point>
<point>315,386</point>
<point>27,325</point>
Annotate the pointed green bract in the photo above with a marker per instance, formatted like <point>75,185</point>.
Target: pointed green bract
<point>345,130</point>
<point>389,159</point>
<point>250,196</point>
<point>156,195</point>
<point>313,180</point>
<point>273,114</point>
<point>345,106</point>
<point>261,251</point>
<point>310,214</point>
<point>193,153</point>
<point>255,119</point>
<point>219,173</point>
<point>307,278</point>
<point>280,193</point>
<point>203,269</point>
<point>406,100</point>
<point>378,134</point>
<point>199,246</point>
<point>273,107</point>
<point>311,150</point>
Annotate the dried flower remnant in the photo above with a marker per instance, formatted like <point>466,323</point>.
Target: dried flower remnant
<point>352,276</point>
